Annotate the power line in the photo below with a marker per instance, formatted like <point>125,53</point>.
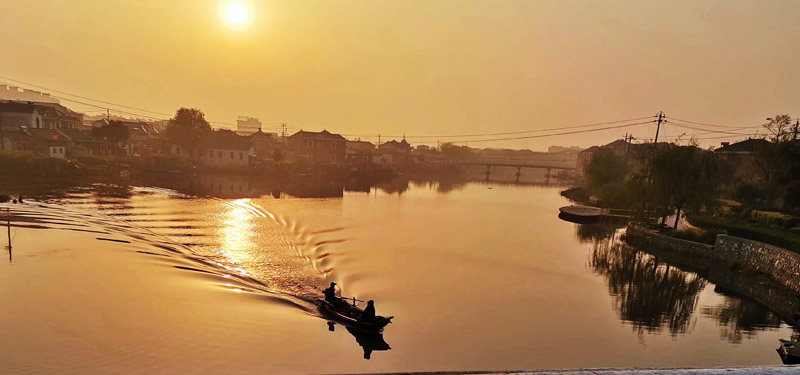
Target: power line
<point>496,134</point>
<point>83,97</point>
<point>101,101</point>
<point>713,125</point>
<point>553,134</point>
<point>702,129</point>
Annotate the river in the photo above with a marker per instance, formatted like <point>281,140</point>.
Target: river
<point>479,276</point>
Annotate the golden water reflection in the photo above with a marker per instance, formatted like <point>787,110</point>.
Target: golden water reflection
<point>237,233</point>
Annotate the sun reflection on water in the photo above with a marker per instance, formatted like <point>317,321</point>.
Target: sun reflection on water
<point>238,235</point>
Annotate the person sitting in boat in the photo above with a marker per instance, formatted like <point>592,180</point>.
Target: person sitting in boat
<point>368,314</point>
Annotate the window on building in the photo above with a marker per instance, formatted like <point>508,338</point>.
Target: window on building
<point>211,154</point>
<point>231,154</point>
<point>37,123</point>
<point>241,156</point>
<point>332,157</point>
<point>333,144</point>
<point>309,144</point>
<point>219,154</point>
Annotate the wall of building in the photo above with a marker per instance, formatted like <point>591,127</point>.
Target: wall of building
<point>225,158</point>
<point>12,121</point>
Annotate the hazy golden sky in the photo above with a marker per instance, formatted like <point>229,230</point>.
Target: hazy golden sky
<point>420,67</point>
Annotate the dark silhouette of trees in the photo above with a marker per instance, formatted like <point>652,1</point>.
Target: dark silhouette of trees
<point>606,168</point>
<point>189,129</point>
<point>113,133</point>
<point>277,156</point>
<point>685,178</point>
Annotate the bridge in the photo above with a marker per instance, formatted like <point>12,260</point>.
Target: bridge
<point>519,165</point>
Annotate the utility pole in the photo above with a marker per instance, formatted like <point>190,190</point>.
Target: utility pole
<point>628,139</point>
<point>379,140</point>
<point>108,114</point>
<point>658,127</point>
<point>796,125</point>
<point>283,125</point>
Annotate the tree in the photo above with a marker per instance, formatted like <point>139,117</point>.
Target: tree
<point>780,129</point>
<point>685,178</point>
<point>189,129</point>
<point>114,132</point>
<point>605,168</point>
<point>277,156</point>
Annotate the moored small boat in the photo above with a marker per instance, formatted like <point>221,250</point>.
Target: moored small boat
<point>581,214</point>
<point>789,352</point>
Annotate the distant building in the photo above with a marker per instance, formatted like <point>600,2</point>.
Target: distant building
<point>402,147</point>
<point>359,152</point>
<point>619,147</point>
<point>740,154</point>
<point>16,141</point>
<point>319,147</point>
<point>223,149</point>
<point>49,142</point>
<point>247,125</point>
<point>33,115</point>
<point>563,150</point>
<point>82,143</point>
<point>24,95</point>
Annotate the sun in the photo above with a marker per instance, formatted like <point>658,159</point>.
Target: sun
<point>236,14</point>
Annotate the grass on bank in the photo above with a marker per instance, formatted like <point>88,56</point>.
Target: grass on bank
<point>787,239</point>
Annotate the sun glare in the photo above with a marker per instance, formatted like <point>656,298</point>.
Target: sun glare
<point>235,13</point>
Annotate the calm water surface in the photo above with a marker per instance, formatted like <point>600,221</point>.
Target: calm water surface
<point>478,277</point>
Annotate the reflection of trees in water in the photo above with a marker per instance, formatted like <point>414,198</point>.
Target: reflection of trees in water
<point>588,233</point>
<point>742,319</point>
<point>398,185</point>
<point>649,295</point>
<point>442,185</point>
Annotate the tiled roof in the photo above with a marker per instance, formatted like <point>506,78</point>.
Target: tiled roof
<point>318,135</point>
<point>227,140</point>
<point>16,107</point>
<point>743,147</point>
<point>77,135</point>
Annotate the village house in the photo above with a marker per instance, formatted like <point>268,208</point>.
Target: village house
<point>741,155</point>
<point>15,114</point>
<point>402,147</point>
<point>49,142</point>
<point>223,149</point>
<point>319,147</point>
<point>358,151</point>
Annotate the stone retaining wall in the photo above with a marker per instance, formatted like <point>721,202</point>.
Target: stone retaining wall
<point>780,264</point>
<point>774,262</point>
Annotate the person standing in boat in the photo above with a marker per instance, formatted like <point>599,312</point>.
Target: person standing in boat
<point>330,297</point>
<point>330,294</point>
<point>369,312</point>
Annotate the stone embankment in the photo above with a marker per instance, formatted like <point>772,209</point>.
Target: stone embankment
<point>779,264</point>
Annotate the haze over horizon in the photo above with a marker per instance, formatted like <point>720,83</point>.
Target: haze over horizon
<point>421,67</point>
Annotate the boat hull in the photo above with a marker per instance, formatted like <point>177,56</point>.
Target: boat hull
<point>789,352</point>
<point>348,317</point>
